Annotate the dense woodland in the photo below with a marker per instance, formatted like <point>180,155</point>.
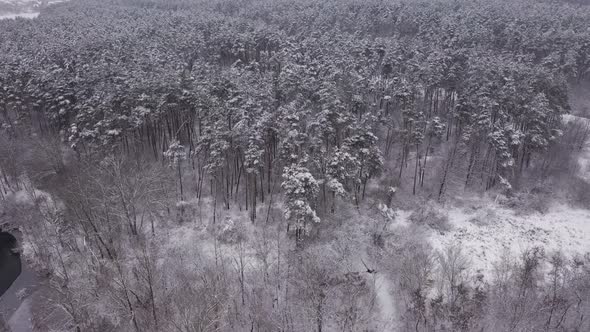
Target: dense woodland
<point>222,165</point>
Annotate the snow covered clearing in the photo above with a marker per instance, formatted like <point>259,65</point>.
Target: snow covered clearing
<point>485,242</point>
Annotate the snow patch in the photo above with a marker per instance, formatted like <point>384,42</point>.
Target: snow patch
<point>402,218</point>
<point>22,15</point>
<point>383,289</point>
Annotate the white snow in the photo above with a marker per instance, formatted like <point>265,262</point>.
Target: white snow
<point>35,196</point>
<point>196,243</point>
<point>562,228</point>
<point>19,2</point>
<point>11,9</point>
<point>387,316</point>
<point>402,218</point>
<point>385,301</point>
<point>14,16</point>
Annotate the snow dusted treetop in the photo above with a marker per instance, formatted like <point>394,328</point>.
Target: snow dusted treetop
<point>175,152</point>
<point>301,190</point>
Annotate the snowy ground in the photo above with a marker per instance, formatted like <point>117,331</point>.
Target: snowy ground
<point>490,232</point>
<point>563,228</point>
<point>384,298</point>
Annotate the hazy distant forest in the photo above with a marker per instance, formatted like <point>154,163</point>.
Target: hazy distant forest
<point>233,165</point>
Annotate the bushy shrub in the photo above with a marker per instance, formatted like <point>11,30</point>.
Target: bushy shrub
<point>433,216</point>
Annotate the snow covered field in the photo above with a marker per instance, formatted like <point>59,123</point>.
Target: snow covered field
<point>504,233</point>
<point>490,232</point>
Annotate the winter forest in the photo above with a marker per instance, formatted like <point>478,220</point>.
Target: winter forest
<point>295,165</point>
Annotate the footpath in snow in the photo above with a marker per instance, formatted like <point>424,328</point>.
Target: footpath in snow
<point>385,304</point>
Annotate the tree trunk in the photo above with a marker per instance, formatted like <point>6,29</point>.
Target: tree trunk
<point>416,169</point>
